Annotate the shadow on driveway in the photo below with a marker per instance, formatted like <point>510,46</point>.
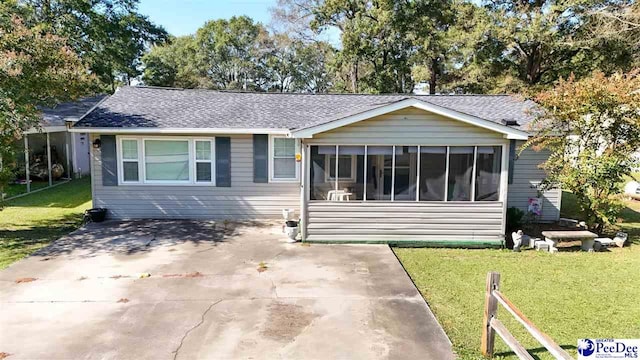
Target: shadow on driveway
<point>138,236</point>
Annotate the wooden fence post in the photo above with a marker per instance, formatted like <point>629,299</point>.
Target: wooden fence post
<point>490,309</point>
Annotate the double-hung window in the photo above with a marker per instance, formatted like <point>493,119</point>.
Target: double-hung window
<point>204,160</point>
<point>130,155</point>
<point>283,163</point>
<point>158,160</point>
<point>346,167</point>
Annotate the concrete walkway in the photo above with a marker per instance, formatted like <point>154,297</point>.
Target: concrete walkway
<point>212,293</point>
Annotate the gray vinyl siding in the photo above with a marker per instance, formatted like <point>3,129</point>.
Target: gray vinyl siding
<point>410,127</point>
<point>243,200</point>
<point>468,222</point>
<point>526,176</point>
<point>462,223</point>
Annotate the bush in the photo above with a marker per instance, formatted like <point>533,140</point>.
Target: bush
<point>514,219</point>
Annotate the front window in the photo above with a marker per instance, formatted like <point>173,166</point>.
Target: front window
<point>166,161</point>
<point>405,173</point>
<point>284,166</point>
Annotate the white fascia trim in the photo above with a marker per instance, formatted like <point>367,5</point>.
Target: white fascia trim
<point>178,131</point>
<point>509,133</point>
<point>46,129</point>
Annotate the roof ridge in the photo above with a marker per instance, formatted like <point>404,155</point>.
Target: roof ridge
<point>310,94</point>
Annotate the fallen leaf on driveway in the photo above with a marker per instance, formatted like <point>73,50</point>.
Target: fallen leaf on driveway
<point>144,275</point>
<point>4,355</point>
<point>262,267</point>
<point>187,275</point>
<point>82,278</point>
<point>25,280</point>
<point>123,300</point>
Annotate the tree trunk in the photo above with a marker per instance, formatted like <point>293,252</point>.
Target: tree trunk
<point>434,76</point>
<point>354,78</point>
<point>534,62</point>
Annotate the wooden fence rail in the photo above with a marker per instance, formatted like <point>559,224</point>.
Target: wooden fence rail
<point>493,326</point>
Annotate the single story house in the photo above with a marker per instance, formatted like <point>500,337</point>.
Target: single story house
<point>412,169</point>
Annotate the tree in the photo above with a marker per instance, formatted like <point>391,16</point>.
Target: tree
<point>239,54</point>
<point>375,49</point>
<point>110,35</point>
<point>428,24</point>
<point>226,50</point>
<point>36,69</point>
<point>529,45</point>
<point>312,67</point>
<point>615,28</point>
<point>173,64</point>
<point>592,128</point>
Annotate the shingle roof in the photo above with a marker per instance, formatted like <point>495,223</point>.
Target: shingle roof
<point>72,110</point>
<point>149,107</point>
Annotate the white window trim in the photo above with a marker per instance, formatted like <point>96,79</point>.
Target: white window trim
<point>142,178</point>
<point>340,178</point>
<point>273,179</point>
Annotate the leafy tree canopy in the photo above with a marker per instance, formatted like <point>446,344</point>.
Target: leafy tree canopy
<point>37,68</point>
<point>239,54</point>
<point>592,128</point>
<point>109,35</point>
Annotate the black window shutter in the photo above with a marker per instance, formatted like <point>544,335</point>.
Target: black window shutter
<point>223,161</point>
<point>512,159</point>
<point>109,160</point>
<point>260,158</point>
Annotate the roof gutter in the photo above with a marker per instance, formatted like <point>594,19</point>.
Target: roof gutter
<point>178,131</point>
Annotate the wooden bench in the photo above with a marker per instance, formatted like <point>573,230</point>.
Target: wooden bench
<point>554,237</point>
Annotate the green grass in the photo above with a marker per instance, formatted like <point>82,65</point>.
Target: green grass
<point>18,189</point>
<point>30,222</point>
<point>569,295</point>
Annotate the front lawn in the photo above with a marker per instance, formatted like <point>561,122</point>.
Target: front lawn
<point>30,222</point>
<point>569,295</point>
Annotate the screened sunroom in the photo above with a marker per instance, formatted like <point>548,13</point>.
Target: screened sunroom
<point>401,173</point>
<point>406,176</point>
<point>406,193</point>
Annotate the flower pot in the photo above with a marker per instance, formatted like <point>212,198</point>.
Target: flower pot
<point>292,230</point>
<point>97,214</point>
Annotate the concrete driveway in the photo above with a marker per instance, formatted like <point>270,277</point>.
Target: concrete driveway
<point>214,293</point>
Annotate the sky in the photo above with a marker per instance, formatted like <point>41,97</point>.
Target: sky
<point>183,17</point>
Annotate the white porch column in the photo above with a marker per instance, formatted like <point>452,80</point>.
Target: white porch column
<point>49,159</point>
<point>68,136</point>
<point>74,157</point>
<point>26,162</point>
<point>504,186</point>
<point>304,185</point>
